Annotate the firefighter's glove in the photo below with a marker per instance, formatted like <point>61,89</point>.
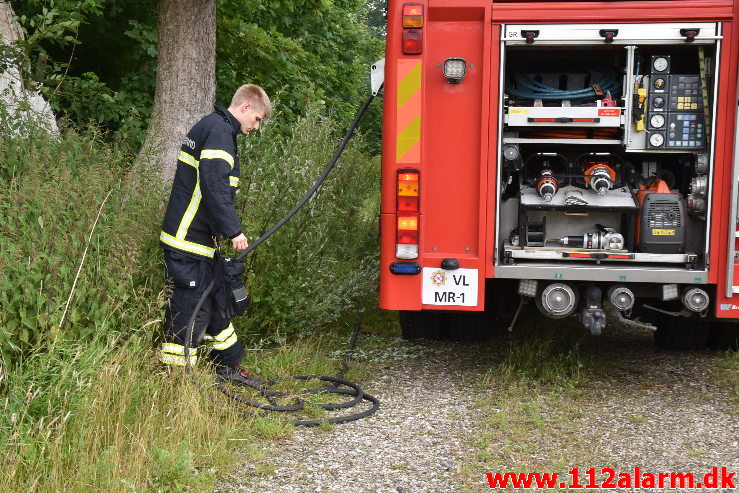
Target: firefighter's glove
<point>236,299</point>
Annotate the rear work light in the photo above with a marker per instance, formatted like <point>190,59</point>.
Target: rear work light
<point>412,25</point>
<point>455,70</point>
<point>407,211</point>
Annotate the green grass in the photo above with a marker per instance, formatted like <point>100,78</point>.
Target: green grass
<point>538,395</point>
<point>542,352</point>
<point>115,421</point>
<point>531,411</point>
<point>126,423</point>
<point>729,374</point>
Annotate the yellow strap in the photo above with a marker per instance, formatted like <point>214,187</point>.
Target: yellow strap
<point>223,335</point>
<point>225,344</point>
<point>192,209</point>
<point>186,246</point>
<point>233,181</point>
<point>172,348</point>
<point>187,159</point>
<point>176,360</point>
<point>217,154</point>
<point>224,339</point>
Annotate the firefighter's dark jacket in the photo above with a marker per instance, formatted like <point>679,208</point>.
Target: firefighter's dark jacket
<point>205,183</point>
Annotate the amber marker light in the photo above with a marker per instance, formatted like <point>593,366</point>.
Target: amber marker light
<point>412,15</point>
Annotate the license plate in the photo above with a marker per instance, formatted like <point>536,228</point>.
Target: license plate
<point>449,287</point>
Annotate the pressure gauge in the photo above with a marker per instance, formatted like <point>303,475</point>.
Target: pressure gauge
<point>659,83</point>
<point>658,102</point>
<point>657,121</point>
<point>660,64</point>
<point>656,140</point>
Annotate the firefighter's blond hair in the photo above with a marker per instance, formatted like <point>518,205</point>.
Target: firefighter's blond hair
<point>253,94</point>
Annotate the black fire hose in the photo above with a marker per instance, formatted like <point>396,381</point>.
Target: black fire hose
<point>338,384</point>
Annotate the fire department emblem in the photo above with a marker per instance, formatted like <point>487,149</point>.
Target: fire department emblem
<point>438,278</point>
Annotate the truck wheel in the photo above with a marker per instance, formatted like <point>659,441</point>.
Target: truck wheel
<point>682,334</point>
<point>468,327</point>
<point>724,335</point>
<point>421,324</point>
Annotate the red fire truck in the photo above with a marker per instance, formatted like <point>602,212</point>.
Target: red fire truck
<point>579,155</point>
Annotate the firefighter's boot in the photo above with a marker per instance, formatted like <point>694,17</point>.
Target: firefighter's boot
<point>237,375</point>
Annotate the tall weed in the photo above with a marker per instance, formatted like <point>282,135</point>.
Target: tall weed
<point>322,263</point>
<point>106,417</point>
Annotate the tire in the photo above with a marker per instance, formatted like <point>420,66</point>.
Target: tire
<point>724,336</point>
<point>682,334</point>
<point>422,324</point>
<point>468,327</point>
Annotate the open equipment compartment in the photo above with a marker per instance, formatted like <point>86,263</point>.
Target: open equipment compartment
<point>605,150</point>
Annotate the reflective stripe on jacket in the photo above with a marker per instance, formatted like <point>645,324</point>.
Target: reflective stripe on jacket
<point>205,183</point>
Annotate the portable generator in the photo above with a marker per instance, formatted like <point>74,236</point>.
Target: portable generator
<point>661,222</point>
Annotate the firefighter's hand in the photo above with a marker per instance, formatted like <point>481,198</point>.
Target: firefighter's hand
<point>240,243</point>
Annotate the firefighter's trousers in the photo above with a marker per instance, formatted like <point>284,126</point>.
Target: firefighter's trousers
<point>190,277</point>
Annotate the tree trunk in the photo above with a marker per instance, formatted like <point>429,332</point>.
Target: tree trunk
<point>23,105</point>
<point>185,91</point>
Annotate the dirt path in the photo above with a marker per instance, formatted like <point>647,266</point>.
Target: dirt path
<point>663,411</point>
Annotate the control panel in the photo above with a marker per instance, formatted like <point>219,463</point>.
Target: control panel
<point>675,113</point>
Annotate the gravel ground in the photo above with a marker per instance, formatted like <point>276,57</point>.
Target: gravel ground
<point>663,411</point>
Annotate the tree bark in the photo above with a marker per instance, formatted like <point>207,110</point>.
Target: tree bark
<point>24,106</point>
<point>185,90</point>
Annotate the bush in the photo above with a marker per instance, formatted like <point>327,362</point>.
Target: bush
<point>50,193</point>
<point>323,263</point>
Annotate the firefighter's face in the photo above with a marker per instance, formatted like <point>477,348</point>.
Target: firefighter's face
<point>249,117</point>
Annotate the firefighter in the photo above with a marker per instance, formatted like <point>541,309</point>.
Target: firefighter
<point>200,212</point>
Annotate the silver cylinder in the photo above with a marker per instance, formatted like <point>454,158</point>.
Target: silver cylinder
<point>557,300</point>
<point>701,164</point>
<point>612,241</point>
<point>600,181</point>
<point>695,299</point>
<point>699,185</point>
<point>547,191</point>
<point>621,297</point>
<point>697,203</point>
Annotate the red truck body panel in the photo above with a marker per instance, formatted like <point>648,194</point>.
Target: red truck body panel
<point>451,132</point>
